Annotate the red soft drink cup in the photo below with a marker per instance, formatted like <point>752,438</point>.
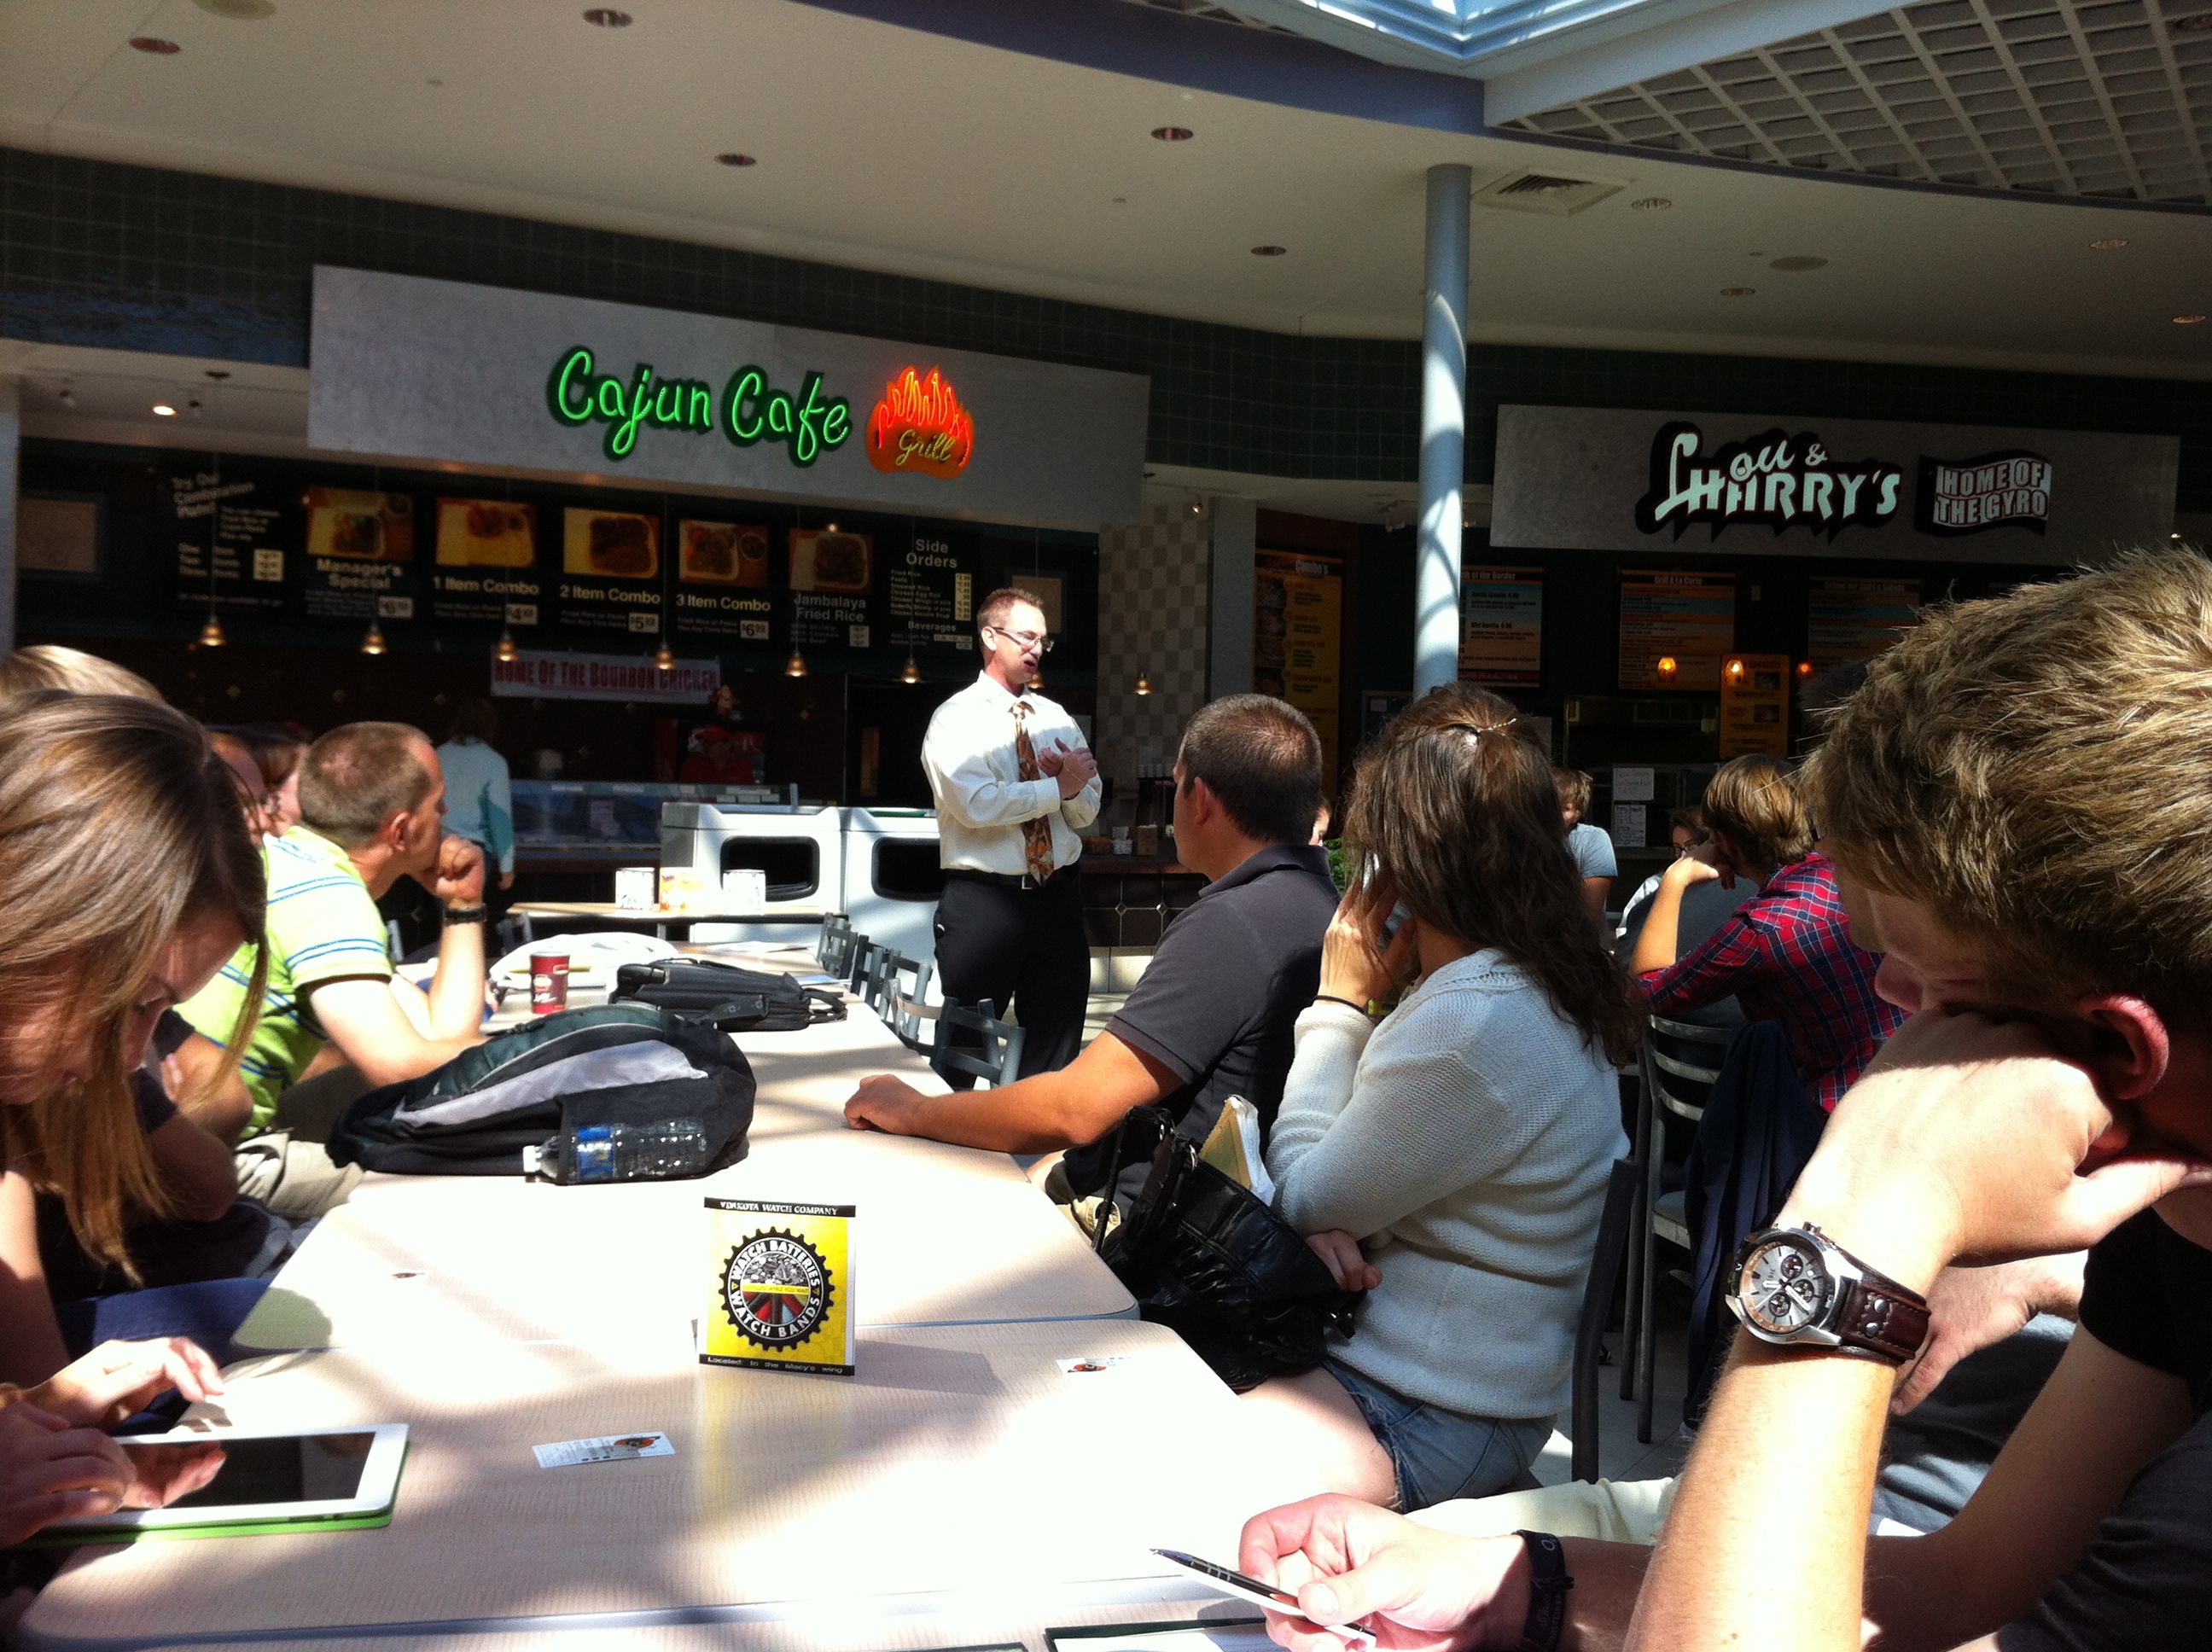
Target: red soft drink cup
<point>548,982</point>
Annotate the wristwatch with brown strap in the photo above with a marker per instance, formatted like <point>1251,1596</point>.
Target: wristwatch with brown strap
<point>1795,1287</point>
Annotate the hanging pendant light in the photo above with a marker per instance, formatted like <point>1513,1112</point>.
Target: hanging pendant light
<point>1144,682</point>
<point>372,642</point>
<point>912,672</point>
<point>664,659</point>
<point>797,664</point>
<point>505,651</point>
<point>211,634</point>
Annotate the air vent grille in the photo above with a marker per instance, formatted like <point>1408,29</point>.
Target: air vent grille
<point>1544,192</point>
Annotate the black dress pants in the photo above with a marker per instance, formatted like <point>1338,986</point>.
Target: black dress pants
<point>1024,950</point>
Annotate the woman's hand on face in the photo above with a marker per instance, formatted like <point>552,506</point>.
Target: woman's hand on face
<point>118,1379</point>
<point>1354,963</point>
<point>1701,863</point>
<point>1347,1262</point>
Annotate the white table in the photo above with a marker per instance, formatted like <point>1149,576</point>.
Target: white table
<point>960,1476</point>
<point>943,1234</point>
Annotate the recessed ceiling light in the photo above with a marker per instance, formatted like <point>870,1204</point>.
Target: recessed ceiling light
<point>1798,261</point>
<point>733,159</point>
<point>1651,203</point>
<point>218,373</point>
<point>2110,244</point>
<point>434,81</point>
<point>154,45</point>
<point>1121,200</point>
<point>1738,292</point>
<point>1173,134</point>
<point>240,11</point>
<point>607,18</point>
<point>1269,252</point>
<point>2187,320</point>
<point>163,411</point>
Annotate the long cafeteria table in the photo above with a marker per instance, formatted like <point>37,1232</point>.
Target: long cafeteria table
<point>943,1234</point>
<point>962,1485</point>
<point>965,1487</point>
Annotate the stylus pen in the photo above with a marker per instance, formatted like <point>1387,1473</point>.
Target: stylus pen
<point>1235,1584</point>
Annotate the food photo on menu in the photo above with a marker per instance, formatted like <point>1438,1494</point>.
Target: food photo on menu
<point>826,559</point>
<point>486,533</point>
<point>724,553</point>
<point>618,543</point>
<point>361,525</point>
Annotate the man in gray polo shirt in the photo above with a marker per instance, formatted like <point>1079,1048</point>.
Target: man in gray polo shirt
<point>1212,1016</point>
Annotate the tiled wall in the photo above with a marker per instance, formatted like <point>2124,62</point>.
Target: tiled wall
<point>1152,619</point>
<point>134,257</point>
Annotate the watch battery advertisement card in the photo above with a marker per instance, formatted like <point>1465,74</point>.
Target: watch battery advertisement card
<point>782,1291</point>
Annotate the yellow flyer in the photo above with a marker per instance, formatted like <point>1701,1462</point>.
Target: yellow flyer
<point>783,1287</point>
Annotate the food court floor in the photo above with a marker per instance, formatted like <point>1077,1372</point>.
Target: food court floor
<point>1620,1455</point>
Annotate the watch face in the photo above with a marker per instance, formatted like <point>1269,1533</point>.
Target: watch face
<point>1785,1287</point>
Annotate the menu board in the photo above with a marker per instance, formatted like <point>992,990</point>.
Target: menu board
<point>1755,705</point>
<point>360,556</point>
<point>1298,641</point>
<point>832,572</point>
<point>930,594</point>
<point>486,569</point>
<point>722,581</point>
<point>231,534</point>
<point>1849,620</point>
<point>1689,618</point>
<point>1501,638</point>
<point>611,571</point>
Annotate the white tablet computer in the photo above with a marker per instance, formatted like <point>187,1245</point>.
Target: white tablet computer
<point>326,1478</point>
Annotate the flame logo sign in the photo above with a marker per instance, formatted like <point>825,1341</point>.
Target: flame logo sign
<point>919,425</point>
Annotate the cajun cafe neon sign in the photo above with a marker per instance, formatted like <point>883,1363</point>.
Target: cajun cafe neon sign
<point>748,410</point>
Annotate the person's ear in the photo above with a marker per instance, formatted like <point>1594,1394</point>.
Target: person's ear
<point>2129,1051</point>
<point>1202,803</point>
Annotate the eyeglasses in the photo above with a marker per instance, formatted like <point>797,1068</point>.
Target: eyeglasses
<point>1042,643</point>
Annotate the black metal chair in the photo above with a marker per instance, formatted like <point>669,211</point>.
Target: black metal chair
<point>1671,1086</point>
<point>834,951</point>
<point>1614,1229</point>
<point>998,1063</point>
<point>882,991</point>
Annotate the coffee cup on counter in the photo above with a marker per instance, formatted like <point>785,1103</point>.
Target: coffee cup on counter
<point>548,982</point>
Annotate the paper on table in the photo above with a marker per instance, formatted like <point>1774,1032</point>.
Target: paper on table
<point>1231,1635</point>
<point>606,1449</point>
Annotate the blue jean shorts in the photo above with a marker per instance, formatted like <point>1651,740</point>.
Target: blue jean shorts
<point>1438,1454</point>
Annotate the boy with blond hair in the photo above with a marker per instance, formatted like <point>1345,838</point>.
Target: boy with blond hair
<point>2018,805</point>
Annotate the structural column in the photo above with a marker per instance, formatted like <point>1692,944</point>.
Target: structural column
<point>1443,431</point>
<point>11,441</point>
<point>1236,525</point>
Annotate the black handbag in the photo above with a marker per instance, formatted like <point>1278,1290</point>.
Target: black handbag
<point>732,1000</point>
<point>1206,1258</point>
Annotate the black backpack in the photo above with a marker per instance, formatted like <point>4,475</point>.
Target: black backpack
<point>618,1064</point>
<point>733,999</point>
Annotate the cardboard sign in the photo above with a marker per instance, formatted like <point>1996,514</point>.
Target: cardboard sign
<point>782,1290</point>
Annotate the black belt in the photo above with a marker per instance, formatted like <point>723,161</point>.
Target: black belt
<point>1010,880</point>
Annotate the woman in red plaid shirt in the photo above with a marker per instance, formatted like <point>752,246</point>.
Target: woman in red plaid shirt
<point>1787,955</point>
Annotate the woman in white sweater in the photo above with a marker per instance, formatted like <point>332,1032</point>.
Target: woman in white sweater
<point>1451,1160</point>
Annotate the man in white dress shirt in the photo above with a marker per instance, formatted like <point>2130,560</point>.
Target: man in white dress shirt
<point>1015,786</point>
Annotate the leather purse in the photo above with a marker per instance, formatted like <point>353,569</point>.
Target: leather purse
<point>1206,1257</point>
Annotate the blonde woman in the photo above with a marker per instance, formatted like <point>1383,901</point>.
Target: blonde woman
<point>127,876</point>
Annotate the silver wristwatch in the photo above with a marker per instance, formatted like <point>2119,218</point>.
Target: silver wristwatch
<point>1795,1287</point>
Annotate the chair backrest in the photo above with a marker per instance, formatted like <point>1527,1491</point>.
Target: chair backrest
<point>834,952</point>
<point>1676,1083</point>
<point>1613,1235</point>
<point>905,1009</point>
<point>879,983</point>
<point>999,1062</point>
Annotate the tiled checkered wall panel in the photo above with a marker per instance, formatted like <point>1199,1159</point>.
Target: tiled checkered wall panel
<point>1153,581</point>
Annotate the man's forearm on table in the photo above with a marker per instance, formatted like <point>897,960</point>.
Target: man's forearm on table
<point>1029,1117</point>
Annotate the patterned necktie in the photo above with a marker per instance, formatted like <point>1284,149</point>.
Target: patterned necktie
<point>1036,834</point>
